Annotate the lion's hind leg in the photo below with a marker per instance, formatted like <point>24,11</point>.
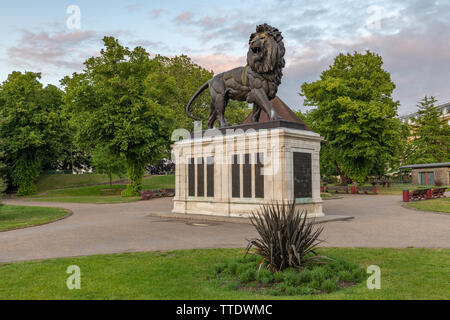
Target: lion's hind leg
<point>212,117</point>
<point>220,103</point>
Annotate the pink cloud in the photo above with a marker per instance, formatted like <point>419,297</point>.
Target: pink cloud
<point>158,12</point>
<point>184,17</point>
<point>219,63</point>
<point>133,7</point>
<point>60,49</point>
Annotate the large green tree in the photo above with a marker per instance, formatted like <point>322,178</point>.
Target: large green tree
<point>430,141</point>
<point>110,164</point>
<point>356,114</point>
<point>2,176</point>
<point>30,128</point>
<point>109,106</point>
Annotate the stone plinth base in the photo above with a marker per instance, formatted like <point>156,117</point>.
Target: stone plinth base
<point>232,172</point>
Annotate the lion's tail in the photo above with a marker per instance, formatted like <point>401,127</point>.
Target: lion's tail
<point>196,95</point>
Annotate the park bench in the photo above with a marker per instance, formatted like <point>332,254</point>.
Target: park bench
<point>367,190</point>
<point>417,195</point>
<point>382,183</point>
<point>150,194</point>
<point>157,193</point>
<point>146,195</point>
<point>337,189</point>
<point>439,193</point>
<point>168,192</point>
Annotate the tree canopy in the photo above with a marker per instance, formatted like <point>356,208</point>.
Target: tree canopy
<point>2,176</point>
<point>110,108</point>
<point>31,124</point>
<point>105,162</point>
<point>356,114</point>
<point>430,141</point>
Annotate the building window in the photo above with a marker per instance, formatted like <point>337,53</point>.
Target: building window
<point>259,176</point>
<point>302,175</point>
<point>200,177</point>
<point>251,168</point>
<point>191,177</point>
<point>236,177</point>
<point>247,176</point>
<point>426,178</point>
<point>210,177</point>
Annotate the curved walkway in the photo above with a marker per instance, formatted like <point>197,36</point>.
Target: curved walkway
<point>380,221</point>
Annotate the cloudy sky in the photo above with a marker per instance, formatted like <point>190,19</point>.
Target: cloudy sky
<point>413,36</point>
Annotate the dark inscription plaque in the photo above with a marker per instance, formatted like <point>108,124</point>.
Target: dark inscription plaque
<point>236,177</point>
<point>210,177</point>
<point>191,174</point>
<point>302,175</point>
<point>200,178</point>
<point>247,177</point>
<point>259,177</point>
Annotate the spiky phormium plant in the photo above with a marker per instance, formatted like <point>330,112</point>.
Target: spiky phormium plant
<point>287,238</point>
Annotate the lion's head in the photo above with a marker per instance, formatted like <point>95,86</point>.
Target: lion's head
<point>266,51</point>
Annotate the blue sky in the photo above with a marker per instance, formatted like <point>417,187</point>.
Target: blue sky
<point>412,36</point>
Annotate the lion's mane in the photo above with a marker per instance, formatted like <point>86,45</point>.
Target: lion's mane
<point>273,62</point>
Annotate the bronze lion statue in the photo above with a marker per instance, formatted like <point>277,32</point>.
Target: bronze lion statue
<point>255,83</point>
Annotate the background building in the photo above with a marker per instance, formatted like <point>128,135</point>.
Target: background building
<point>445,114</point>
<point>430,174</point>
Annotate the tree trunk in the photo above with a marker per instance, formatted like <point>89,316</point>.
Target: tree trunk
<point>344,180</point>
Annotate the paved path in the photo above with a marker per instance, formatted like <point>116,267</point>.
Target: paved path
<point>380,221</point>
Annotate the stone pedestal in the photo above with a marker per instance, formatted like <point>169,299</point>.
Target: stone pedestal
<point>233,171</point>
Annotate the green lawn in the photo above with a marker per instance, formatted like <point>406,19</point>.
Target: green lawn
<point>437,205</point>
<point>159,182</point>
<point>16,217</point>
<point>93,194</point>
<point>47,182</point>
<point>405,274</point>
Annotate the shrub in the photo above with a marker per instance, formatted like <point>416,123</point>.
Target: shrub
<point>232,267</point>
<point>242,268</point>
<point>278,277</point>
<point>329,285</point>
<point>26,171</point>
<point>357,274</point>
<point>246,275</point>
<point>287,238</point>
<point>306,291</point>
<point>345,276</point>
<point>292,291</point>
<point>219,268</point>
<point>319,274</point>
<point>266,280</point>
<point>264,276</point>
<point>2,181</point>
<point>314,284</point>
<point>304,276</point>
<point>233,285</point>
<point>291,277</point>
